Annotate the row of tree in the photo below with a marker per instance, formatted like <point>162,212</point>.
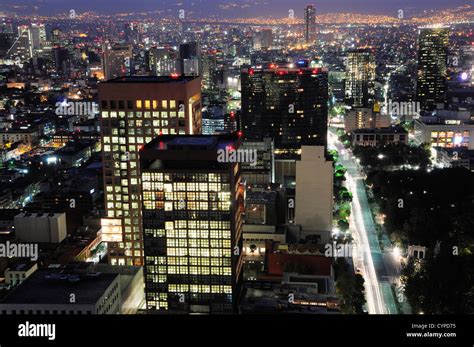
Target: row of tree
<point>433,209</point>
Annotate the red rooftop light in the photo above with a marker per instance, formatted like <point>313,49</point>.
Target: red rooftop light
<point>174,75</point>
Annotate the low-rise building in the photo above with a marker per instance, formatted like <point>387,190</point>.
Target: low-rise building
<point>41,227</point>
<point>376,137</point>
<point>19,271</point>
<point>77,288</point>
<point>443,132</point>
<point>365,118</point>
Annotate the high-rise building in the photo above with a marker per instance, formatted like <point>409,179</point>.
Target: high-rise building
<point>6,42</point>
<point>22,48</point>
<point>288,104</point>
<point>360,77</point>
<point>263,39</point>
<point>192,224</point>
<point>62,60</point>
<point>164,61</point>
<point>310,24</point>
<point>134,110</point>
<point>56,36</point>
<point>190,58</point>
<point>117,61</point>
<point>38,36</point>
<point>432,60</point>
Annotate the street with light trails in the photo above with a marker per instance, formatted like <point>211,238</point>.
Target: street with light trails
<point>367,253</point>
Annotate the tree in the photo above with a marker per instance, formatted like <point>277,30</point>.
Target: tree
<point>343,225</point>
<point>349,288</point>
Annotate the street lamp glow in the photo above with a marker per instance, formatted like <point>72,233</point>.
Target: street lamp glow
<point>380,156</point>
<point>396,252</point>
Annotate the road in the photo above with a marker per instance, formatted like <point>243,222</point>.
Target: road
<point>367,254</point>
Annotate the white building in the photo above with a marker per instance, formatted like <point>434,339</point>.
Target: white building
<point>445,133</point>
<point>41,227</point>
<point>314,192</point>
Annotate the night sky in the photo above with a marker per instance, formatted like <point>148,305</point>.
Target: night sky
<point>230,8</point>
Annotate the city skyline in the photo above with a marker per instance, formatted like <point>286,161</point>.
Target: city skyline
<point>233,9</point>
<point>268,159</point>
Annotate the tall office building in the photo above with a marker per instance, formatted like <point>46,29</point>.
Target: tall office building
<point>117,60</point>
<point>310,24</point>
<point>22,48</point>
<point>134,110</point>
<point>62,60</point>
<point>432,60</point>
<point>164,61</point>
<point>360,78</point>
<point>263,39</point>
<point>191,58</point>
<point>38,36</point>
<point>288,104</point>
<point>192,221</point>
<point>6,42</point>
<point>56,36</point>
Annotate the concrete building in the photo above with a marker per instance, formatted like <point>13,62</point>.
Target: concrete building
<point>29,137</point>
<point>117,61</point>
<point>364,118</point>
<point>77,288</point>
<point>314,192</point>
<point>376,137</point>
<point>260,173</point>
<point>444,132</point>
<point>41,227</point>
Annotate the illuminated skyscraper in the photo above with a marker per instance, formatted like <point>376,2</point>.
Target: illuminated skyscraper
<point>432,60</point>
<point>288,104</point>
<point>38,36</point>
<point>117,61</point>
<point>360,78</point>
<point>192,224</point>
<point>22,47</point>
<point>310,24</point>
<point>134,110</point>
<point>191,58</point>
<point>164,61</point>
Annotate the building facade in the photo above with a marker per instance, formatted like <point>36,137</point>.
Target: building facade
<point>432,61</point>
<point>192,220</point>
<point>360,78</point>
<point>134,110</point>
<point>287,104</point>
<point>310,24</point>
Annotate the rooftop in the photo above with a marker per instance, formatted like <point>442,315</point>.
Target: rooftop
<point>389,130</point>
<point>151,79</point>
<point>53,287</point>
<point>192,142</point>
